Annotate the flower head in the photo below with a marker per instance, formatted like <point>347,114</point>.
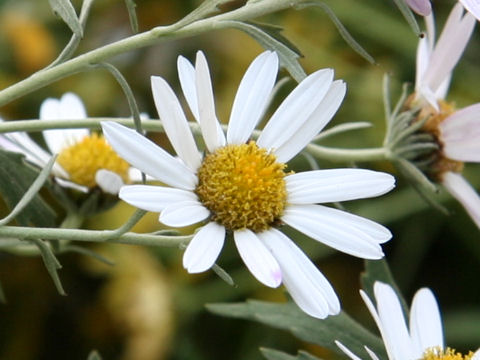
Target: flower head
<point>457,133</point>
<point>84,160</point>
<point>241,186</point>
<point>421,339</point>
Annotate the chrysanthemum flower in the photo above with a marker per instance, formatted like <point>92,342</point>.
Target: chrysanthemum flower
<point>421,339</point>
<point>457,132</point>
<point>84,160</point>
<point>241,186</point>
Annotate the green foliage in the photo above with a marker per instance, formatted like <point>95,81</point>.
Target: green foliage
<point>271,354</point>
<point>65,10</point>
<point>320,332</point>
<point>132,14</point>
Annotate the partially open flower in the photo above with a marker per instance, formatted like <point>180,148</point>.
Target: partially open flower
<point>420,339</point>
<point>241,186</point>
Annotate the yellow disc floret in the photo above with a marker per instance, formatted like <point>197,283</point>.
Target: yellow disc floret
<point>243,186</point>
<point>83,159</point>
<point>447,354</point>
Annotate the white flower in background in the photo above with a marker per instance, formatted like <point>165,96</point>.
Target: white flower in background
<point>421,7</point>
<point>240,186</point>
<point>473,6</point>
<point>421,339</point>
<point>457,132</point>
<point>84,159</point>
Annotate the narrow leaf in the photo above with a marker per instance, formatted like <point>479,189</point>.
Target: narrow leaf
<point>3,298</point>
<point>31,192</point>
<point>66,11</point>
<point>270,38</point>
<point>408,15</point>
<point>207,7</point>
<point>132,15</point>
<point>51,263</point>
<point>271,354</point>
<point>338,129</point>
<point>320,332</point>
<point>341,29</point>
<point>16,177</point>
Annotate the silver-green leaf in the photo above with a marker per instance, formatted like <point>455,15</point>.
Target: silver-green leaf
<point>65,10</point>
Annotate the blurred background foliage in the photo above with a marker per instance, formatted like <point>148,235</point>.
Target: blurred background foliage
<point>146,306</point>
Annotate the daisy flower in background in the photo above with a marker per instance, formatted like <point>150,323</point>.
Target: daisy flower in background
<point>456,132</point>
<point>421,339</point>
<point>241,186</point>
<point>84,160</point>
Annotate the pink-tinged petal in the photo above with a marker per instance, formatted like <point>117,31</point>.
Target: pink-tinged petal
<point>154,198</point>
<point>460,134</point>
<point>393,326</point>
<point>206,105</point>
<point>347,351</point>
<point>320,117</point>
<point>421,7</point>
<point>473,6</point>
<point>295,110</point>
<point>258,258</point>
<point>204,248</point>
<point>345,232</point>
<point>146,156</point>
<point>186,74</point>
<point>425,322</point>
<point>109,181</point>
<point>184,213</point>
<point>323,186</point>
<point>450,46</point>
<point>310,290</point>
<point>175,123</point>
<point>68,107</point>
<point>464,193</point>
<point>252,97</point>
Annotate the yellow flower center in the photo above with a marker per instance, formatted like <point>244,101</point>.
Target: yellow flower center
<point>83,159</point>
<point>447,354</point>
<point>243,186</point>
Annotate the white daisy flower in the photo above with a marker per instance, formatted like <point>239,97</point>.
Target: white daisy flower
<point>84,159</point>
<point>421,339</point>
<point>473,6</point>
<point>240,186</point>
<point>457,132</point>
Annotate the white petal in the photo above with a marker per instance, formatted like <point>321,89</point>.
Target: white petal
<point>347,351</point>
<point>476,355</point>
<point>473,6</point>
<point>345,232</point>
<point>310,290</point>
<point>252,97</point>
<point>421,7</point>
<point>258,258</point>
<point>184,213</point>
<point>423,59</point>
<point>148,157</point>
<point>322,186</point>
<point>425,322</point>
<point>371,353</point>
<point>175,123</point>
<point>295,109</point>
<point>204,248</point>
<point>320,117</point>
<point>464,193</point>
<point>206,105</point>
<point>186,74</point>
<point>450,46</point>
<point>69,107</point>
<point>392,323</point>
<point>71,185</point>
<point>109,181</point>
<point>460,134</point>
<point>154,198</point>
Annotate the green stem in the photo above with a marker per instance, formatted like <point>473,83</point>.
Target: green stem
<point>156,35</point>
<point>97,236</point>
